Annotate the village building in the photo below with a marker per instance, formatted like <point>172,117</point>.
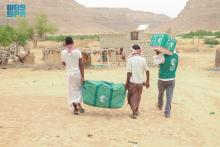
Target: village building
<point>117,41</point>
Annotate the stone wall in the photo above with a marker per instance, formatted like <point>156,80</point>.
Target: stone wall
<point>113,41</point>
<point>147,51</point>
<point>53,59</point>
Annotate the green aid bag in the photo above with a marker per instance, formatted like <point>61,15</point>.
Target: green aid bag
<point>104,94</point>
<point>163,40</point>
<point>171,44</point>
<point>159,40</point>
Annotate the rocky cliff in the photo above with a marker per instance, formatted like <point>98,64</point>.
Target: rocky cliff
<point>197,14</point>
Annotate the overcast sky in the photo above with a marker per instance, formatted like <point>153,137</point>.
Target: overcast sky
<point>169,7</point>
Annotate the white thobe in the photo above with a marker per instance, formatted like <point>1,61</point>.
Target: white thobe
<point>71,60</point>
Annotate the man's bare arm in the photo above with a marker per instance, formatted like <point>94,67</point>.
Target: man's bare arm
<point>81,68</point>
<point>147,84</point>
<point>128,79</point>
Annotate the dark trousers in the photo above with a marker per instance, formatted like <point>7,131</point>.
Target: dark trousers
<point>134,96</point>
<point>169,87</point>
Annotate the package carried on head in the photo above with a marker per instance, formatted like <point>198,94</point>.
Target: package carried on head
<point>164,43</point>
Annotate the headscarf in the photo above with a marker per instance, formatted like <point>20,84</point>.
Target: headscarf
<point>134,52</point>
<point>69,48</point>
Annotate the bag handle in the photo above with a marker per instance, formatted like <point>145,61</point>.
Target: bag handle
<point>108,83</point>
<point>96,93</point>
<point>110,99</point>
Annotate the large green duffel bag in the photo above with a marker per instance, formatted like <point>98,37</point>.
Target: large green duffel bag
<point>103,94</point>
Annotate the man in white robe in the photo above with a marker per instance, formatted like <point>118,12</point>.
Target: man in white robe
<point>72,59</point>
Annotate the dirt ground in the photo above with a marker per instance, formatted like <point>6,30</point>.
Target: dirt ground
<point>34,111</point>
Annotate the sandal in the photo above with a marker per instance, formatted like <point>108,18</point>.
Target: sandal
<point>81,110</point>
<point>134,116</point>
<point>76,110</point>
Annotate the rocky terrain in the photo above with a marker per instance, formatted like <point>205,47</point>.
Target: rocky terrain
<point>71,17</point>
<point>197,14</point>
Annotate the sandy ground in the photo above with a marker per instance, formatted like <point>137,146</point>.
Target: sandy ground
<point>34,111</point>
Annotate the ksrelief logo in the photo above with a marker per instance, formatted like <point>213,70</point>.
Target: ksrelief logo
<point>171,44</point>
<point>173,64</point>
<point>159,40</point>
<point>103,99</point>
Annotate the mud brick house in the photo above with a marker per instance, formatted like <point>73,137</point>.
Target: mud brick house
<point>125,40</point>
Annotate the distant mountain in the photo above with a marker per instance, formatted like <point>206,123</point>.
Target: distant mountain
<point>71,17</point>
<point>197,14</point>
<point>120,19</point>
